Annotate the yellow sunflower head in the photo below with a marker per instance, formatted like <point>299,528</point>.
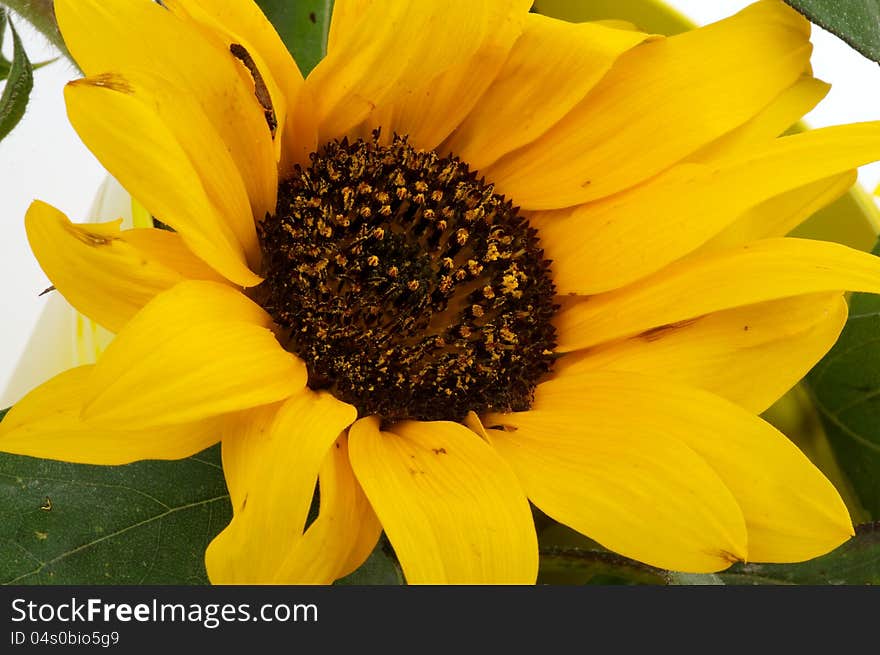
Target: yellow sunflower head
<point>477,258</point>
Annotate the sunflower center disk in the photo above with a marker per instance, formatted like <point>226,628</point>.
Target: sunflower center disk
<point>410,289</point>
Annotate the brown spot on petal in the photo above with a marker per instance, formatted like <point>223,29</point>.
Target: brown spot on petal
<point>91,238</point>
<point>112,81</point>
<point>662,330</point>
<point>261,91</point>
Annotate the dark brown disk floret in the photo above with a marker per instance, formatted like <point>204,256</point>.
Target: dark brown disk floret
<point>410,289</point>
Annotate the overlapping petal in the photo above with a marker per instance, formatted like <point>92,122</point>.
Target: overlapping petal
<point>780,215</point>
<point>141,35</point>
<point>751,355</point>
<point>763,270</point>
<point>168,248</point>
<point>127,134</point>
<point>197,350</point>
<point>427,114</point>
<point>453,511</point>
<point>636,233</point>
<point>552,66</point>
<point>106,273</point>
<point>243,23</point>
<point>786,109</point>
<point>640,118</point>
<point>610,473</point>
<point>343,534</point>
<point>271,459</point>
<point>48,423</point>
<point>792,512</point>
<point>358,75</point>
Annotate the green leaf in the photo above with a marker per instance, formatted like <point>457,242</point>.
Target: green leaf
<point>381,568</point>
<point>6,66</point>
<point>582,566</point>
<point>18,87</point>
<point>4,412</point>
<point>855,562</point>
<point>855,21</point>
<point>40,64</point>
<point>845,387</point>
<point>303,27</point>
<point>144,523</point>
<point>692,579</point>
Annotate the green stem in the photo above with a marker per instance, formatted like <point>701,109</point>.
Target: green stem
<point>40,14</point>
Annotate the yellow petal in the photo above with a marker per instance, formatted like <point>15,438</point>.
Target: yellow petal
<point>659,103</point>
<point>244,438</point>
<point>453,511</point>
<point>550,69</point>
<point>185,117</point>
<point>271,459</point>
<point>344,533</point>
<point>474,424</point>
<point>687,205</point>
<point>141,35</point>
<point>132,141</point>
<point>244,24</point>
<point>430,112</point>
<point>763,270</point>
<point>602,468</point>
<point>46,423</point>
<point>95,266</point>
<point>197,350</point>
<point>168,248</point>
<point>778,216</point>
<point>249,24</point>
<point>787,109</point>
<point>751,355</point>
<point>346,21</point>
<point>616,24</point>
<point>792,512</point>
<point>382,50</point>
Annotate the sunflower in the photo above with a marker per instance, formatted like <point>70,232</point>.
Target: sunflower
<point>477,258</point>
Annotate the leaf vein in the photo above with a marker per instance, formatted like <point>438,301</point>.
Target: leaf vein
<point>117,533</point>
<point>94,484</point>
<point>834,356</point>
<point>855,436</point>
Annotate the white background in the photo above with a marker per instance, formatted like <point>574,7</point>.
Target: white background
<point>43,158</point>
